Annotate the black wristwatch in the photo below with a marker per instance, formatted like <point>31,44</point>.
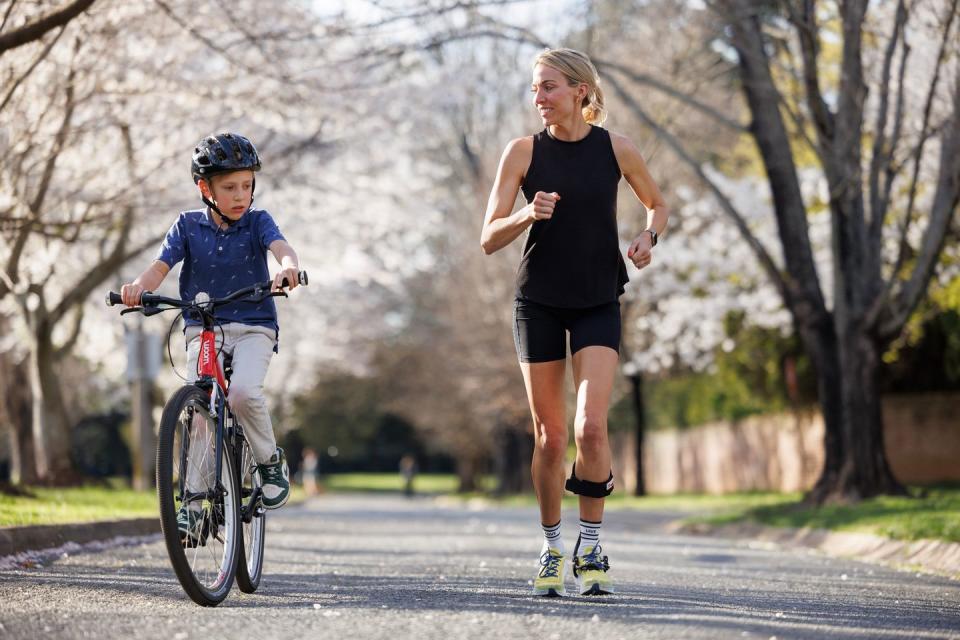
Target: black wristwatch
<point>653,236</point>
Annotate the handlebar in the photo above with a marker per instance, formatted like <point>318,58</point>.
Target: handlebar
<point>148,299</point>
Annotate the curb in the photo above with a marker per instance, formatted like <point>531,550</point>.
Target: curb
<point>930,556</point>
<point>15,540</point>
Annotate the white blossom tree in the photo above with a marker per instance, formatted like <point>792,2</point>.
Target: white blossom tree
<point>876,134</point>
<point>100,131</point>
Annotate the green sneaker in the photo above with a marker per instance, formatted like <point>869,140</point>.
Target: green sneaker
<point>190,524</point>
<point>549,580</point>
<point>276,480</point>
<point>590,570</point>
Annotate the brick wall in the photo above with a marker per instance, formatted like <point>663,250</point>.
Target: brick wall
<point>784,452</point>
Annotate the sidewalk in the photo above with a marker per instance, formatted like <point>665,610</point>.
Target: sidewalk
<point>930,556</point>
<point>15,540</point>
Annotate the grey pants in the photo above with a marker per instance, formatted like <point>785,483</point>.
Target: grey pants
<point>252,348</point>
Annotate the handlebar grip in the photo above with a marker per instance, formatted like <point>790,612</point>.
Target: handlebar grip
<point>301,279</point>
<point>113,298</point>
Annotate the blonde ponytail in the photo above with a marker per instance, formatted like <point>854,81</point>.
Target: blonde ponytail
<point>593,110</point>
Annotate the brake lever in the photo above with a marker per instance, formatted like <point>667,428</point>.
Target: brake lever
<point>152,311</point>
<point>264,296</point>
<point>132,310</point>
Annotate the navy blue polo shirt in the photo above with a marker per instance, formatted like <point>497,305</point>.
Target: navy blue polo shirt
<point>219,261</point>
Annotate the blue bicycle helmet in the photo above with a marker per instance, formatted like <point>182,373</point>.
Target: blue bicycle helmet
<point>223,153</point>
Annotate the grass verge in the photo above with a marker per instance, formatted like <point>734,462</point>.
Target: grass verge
<point>41,505</point>
<point>930,513</point>
<point>110,501</point>
<point>424,483</point>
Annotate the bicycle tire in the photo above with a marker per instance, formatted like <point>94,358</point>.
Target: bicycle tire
<point>253,533</point>
<point>206,577</point>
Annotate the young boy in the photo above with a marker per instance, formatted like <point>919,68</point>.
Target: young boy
<point>224,248</point>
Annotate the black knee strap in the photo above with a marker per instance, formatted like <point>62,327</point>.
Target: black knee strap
<point>587,488</point>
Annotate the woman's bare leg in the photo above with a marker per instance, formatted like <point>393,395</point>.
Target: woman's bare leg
<point>594,369</point>
<point>544,382</point>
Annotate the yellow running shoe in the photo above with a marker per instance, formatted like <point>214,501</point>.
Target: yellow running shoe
<point>590,570</point>
<point>549,580</point>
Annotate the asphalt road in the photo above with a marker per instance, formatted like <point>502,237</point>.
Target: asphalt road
<point>384,567</point>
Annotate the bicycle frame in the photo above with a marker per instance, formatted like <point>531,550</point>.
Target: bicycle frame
<point>211,379</point>
<point>208,366</point>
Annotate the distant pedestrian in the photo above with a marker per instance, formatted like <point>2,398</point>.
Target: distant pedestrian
<point>308,471</point>
<point>408,471</point>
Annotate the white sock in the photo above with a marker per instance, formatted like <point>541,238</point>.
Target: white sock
<point>551,537</point>
<point>589,535</point>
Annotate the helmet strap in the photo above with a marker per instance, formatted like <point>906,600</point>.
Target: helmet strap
<point>207,201</point>
<point>210,203</point>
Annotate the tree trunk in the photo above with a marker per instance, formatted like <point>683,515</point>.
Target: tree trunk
<point>639,411</point>
<point>865,472</point>
<point>468,470</point>
<point>51,425</point>
<point>512,463</point>
<point>16,412</point>
<point>855,462</point>
<point>820,343</point>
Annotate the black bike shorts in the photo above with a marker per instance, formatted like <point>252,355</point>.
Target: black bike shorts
<point>540,331</point>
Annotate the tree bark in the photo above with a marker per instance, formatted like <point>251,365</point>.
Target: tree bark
<point>820,343</point>
<point>468,470</point>
<point>51,425</point>
<point>512,462</point>
<point>639,411</point>
<point>865,472</point>
<point>16,413</point>
<point>36,29</point>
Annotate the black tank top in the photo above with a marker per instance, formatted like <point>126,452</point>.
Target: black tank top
<point>573,259</point>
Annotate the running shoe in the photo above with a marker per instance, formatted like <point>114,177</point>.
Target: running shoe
<point>190,523</point>
<point>549,580</point>
<point>590,569</point>
<point>276,480</point>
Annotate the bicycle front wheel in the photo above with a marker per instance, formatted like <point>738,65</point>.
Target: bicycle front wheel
<point>253,519</point>
<point>198,506</point>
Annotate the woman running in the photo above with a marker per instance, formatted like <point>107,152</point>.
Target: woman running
<point>570,279</point>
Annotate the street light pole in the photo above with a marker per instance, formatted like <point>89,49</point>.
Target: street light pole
<point>142,365</point>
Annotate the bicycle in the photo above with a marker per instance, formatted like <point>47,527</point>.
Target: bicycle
<point>205,464</point>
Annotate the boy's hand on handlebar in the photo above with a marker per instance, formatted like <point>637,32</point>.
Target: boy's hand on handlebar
<point>131,294</point>
<point>290,274</point>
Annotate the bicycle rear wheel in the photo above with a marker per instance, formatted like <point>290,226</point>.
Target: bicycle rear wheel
<point>253,519</point>
<point>205,560</point>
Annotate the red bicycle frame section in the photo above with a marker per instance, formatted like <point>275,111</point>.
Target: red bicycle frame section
<point>207,363</point>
